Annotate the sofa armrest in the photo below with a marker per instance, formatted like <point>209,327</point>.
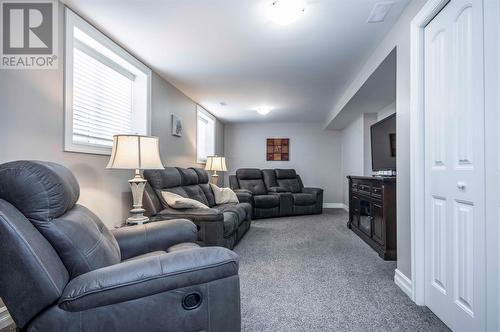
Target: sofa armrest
<point>140,239</point>
<point>244,195</point>
<point>194,215</point>
<point>314,191</point>
<point>277,190</point>
<point>147,276</point>
<point>209,223</point>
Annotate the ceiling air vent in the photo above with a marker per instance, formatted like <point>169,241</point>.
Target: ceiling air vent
<point>379,11</point>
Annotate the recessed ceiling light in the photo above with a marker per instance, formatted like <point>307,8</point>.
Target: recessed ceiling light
<point>284,12</point>
<point>263,110</point>
<point>380,11</point>
<point>223,103</point>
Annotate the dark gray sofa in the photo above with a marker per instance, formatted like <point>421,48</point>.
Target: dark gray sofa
<point>63,270</point>
<point>221,225</point>
<point>277,192</point>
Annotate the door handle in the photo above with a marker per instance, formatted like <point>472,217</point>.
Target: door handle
<point>461,185</point>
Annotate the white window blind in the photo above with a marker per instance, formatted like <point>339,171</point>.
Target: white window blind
<point>102,100</point>
<point>205,135</point>
<point>107,90</point>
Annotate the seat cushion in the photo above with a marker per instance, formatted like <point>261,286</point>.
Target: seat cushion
<point>304,199</point>
<point>266,201</point>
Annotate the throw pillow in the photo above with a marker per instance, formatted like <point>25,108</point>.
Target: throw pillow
<point>224,195</point>
<point>178,202</point>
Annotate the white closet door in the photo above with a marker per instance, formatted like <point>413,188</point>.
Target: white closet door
<point>492,120</point>
<point>454,166</point>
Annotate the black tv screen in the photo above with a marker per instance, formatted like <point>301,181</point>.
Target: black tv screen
<point>384,144</point>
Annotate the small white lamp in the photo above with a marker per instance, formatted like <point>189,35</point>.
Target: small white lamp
<point>215,163</point>
<point>136,152</point>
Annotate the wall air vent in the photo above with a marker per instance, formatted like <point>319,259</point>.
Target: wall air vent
<point>380,11</point>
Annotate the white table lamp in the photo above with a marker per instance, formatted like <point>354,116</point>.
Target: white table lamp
<point>136,152</point>
<point>215,163</point>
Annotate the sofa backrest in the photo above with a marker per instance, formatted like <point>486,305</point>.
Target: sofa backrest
<point>32,275</point>
<point>187,182</point>
<point>69,240</point>
<point>283,178</point>
<point>251,179</point>
<point>288,179</point>
<point>46,194</point>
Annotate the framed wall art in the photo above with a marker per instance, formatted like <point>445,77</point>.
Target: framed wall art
<point>278,149</point>
<point>177,126</point>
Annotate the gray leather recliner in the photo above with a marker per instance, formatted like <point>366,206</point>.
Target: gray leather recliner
<point>61,269</point>
<point>277,192</point>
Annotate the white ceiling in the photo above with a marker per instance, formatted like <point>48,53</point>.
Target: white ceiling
<point>227,51</point>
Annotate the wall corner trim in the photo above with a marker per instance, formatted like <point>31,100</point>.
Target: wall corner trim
<point>404,283</point>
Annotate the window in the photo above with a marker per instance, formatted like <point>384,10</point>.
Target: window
<point>107,91</point>
<point>205,135</point>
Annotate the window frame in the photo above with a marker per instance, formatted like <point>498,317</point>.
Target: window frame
<point>205,113</point>
<point>72,20</point>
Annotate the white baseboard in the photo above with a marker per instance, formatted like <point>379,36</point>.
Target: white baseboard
<point>333,205</point>
<point>5,319</point>
<point>403,282</point>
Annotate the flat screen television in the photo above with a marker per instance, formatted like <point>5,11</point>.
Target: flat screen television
<point>383,137</point>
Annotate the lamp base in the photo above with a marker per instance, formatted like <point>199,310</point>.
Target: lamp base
<point>214,179</point>
<point>137,185</point>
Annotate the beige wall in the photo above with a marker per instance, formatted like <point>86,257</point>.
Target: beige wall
<point>31,127</point>
<point>314,152</point>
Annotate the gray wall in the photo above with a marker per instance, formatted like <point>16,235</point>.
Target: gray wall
<point>314,152</point>
<point>177,151</point>
<point>399,37</point>
<point>31,127</point>
<point>368,120</point>
<point>352,153</point>
<point>356,150</point>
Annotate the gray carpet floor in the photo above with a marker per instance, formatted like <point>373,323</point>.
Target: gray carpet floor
<point>311,273</point>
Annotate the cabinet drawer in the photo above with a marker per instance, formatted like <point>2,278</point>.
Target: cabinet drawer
<point>377,192</point>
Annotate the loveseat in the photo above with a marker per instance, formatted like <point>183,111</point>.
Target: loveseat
<point>63,270</point>
<point>277,192</point>
<point>220,225</point>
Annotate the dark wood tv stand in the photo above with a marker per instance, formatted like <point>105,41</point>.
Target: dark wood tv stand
<point>372,212</point>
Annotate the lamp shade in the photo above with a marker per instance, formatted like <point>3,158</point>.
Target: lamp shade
<point>135,152</point>
<point>215,163</point>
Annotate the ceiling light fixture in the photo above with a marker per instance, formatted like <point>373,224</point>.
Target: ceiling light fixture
<point>263,110</point>
<point>284,12</point>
